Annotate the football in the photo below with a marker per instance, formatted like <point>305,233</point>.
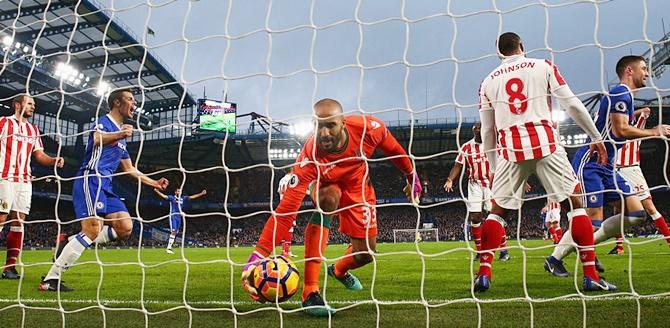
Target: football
<point>276,279</point>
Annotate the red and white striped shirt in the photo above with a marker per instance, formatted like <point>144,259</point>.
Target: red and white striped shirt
<point>18,140</point>
<point>477,163</point>
<point>519,91</point>
<point>629,154</point>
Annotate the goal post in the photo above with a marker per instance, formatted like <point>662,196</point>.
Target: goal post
<point>415,235</point>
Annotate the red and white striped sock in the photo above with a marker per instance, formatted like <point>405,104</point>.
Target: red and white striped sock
<point>492,233</point>
<point>476,229</point>
<point>661,225</point>
<point>582,234</point>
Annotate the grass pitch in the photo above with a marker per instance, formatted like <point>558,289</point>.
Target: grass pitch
<point>409,285</point>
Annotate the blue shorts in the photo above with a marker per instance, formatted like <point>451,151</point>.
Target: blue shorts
<point>596,178</point>
<point>175,222</point>
<point>92,195</point>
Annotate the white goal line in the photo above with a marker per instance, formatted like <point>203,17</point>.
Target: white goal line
<point>428,302</point>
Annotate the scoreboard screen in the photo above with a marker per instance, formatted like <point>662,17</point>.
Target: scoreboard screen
<point>217,116</point>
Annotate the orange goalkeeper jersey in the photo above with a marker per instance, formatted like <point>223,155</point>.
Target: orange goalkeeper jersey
<point>364,134</point>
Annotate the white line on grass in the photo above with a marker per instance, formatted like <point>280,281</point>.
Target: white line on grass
<point>336,302</point>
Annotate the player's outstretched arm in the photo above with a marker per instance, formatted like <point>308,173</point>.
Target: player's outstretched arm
<point>455,171</point>
<point>128,167</point>
<point>198,195</point>
<point>390,147</point>
<point>622,128</point>
<point>45,160</point>
<point>104,138</point>
<point>160,194</point>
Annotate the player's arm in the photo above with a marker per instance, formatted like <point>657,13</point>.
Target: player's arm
<point>622,129</point>
<point>198,195</point>
<point>104,138</point>
<point>128,167</point>
<point>576,110</point>
<point>390,147</point>
<point>644,112</point>
<point>44,159</point>
<point>279,223</point>
<point>160,194</point>
<point>455,171</point>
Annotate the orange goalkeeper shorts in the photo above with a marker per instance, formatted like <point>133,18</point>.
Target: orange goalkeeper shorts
<point>357,220</point>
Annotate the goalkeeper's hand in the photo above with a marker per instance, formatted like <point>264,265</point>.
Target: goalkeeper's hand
<point>248,277</point>
<point>284,183</point>
<point>413,188</point>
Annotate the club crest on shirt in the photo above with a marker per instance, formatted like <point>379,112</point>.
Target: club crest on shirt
<point>593,198</point>
<point>293,181</point>
<point>4,204</point>
<point>99,205</point>
<point>621,106</point>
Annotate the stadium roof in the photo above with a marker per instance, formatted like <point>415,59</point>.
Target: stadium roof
<point>76,43</point>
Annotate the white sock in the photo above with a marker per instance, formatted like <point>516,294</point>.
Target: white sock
<point>105,235</point>
<point>71,253</point>
<point>612,226</point>
<point>564,247</point>
<point>170,242</point>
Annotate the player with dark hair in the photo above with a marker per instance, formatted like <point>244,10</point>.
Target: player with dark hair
<point>615,121</point>
<point>93,198</point>
<point>335,159</point>
<point>19,142</point>
<point>520,139</point>
<point>176,209</point>
<point>472,157</point>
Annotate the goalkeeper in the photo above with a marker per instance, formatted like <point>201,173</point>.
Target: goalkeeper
<point>335,159</point>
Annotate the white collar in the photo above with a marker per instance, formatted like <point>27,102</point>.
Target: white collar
<point>112,119</point>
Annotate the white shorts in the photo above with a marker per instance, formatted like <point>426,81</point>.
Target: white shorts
<point>478,197</point>
<point>553,216</point>
<point>554,172</point>
<point>15,196</point>
<point>633,175</point>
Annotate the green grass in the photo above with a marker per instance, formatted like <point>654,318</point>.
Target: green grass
<point>195,288</point>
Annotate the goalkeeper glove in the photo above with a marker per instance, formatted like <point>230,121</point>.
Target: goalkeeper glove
<point>413,188</point>
<point>248,277</point>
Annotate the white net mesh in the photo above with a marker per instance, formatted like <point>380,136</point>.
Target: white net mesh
<point>415,64</point>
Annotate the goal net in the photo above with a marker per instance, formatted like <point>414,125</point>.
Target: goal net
<point>224,93</point>
<point>415,235</point>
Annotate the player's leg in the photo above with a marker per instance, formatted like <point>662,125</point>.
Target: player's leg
<point>327,198</point>
<point>75,247</point>
<point>363,235</point>
<point>286,242</point>
<point>474,207</point>
<point>591,177</point>
<point>557,178</point>
<point>507,190</point>
<point>634,213</point>
<point>360,224</point>
<point>659,220</point>
<point>175,225</point>
<point>7,197</point>
<point>636,179</point>
<point>14,243</point>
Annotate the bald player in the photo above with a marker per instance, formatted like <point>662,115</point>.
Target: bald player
<point>335,159</point>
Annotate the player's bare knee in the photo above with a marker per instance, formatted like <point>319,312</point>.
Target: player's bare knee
<point>123,230</point>
<point>329,198</point>
<point>572,203</point>
<point>91,228</point>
